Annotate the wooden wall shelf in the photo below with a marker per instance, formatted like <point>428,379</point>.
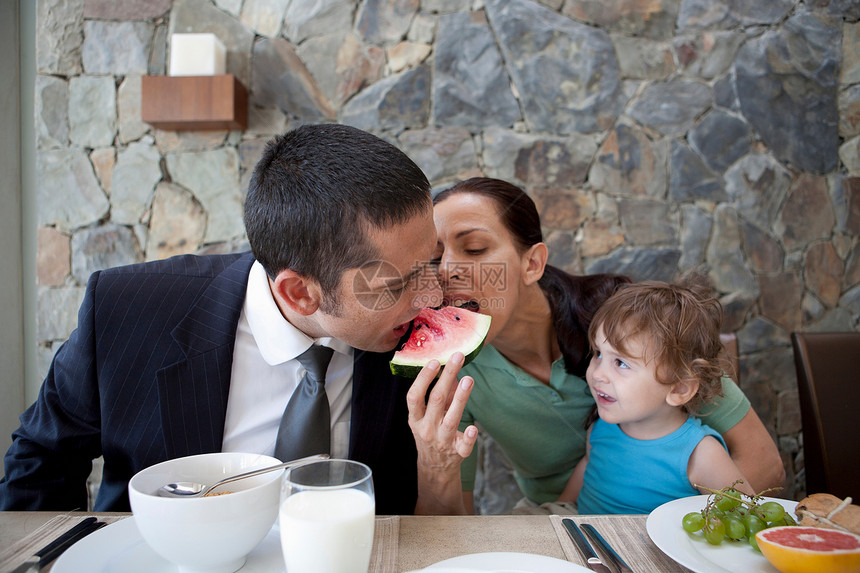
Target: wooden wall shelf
<point>194,102</point>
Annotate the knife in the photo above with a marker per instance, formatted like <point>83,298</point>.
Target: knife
<point>607,549</point>
<point>592,560</point>
<point>53,550</point>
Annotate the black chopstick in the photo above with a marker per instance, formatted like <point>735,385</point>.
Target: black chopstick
<point>58,546</point>
<point>61,540</point>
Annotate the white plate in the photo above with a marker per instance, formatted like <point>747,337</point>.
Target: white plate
<point>509,563</point>
<point>693,552</point>
<point>119,548</point>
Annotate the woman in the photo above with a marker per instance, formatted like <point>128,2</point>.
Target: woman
<point>529,393</point>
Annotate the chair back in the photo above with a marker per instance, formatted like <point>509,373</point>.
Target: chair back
<point>828,383</point>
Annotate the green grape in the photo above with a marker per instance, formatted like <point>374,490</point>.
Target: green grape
<point>731,514</point>
<point>771,511</point>
<point>753,542</point>
<point>693,522</point>
<point>726,503</point>
<point>715,531</point>
<point>735,528</point>
<point>787,520</point>
<point>754,524</point>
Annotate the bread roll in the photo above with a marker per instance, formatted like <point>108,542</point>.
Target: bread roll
<point>825,510</point>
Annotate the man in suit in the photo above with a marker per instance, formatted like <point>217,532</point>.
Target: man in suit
<point>200,354</point>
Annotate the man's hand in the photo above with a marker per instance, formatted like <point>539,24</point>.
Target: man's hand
<point>441,446</point>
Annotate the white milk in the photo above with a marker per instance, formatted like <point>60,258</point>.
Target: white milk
<point>327,531</point>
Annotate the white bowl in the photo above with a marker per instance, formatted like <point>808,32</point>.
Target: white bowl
<point>212,534</point>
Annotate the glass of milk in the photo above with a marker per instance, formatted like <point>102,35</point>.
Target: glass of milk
<point>327,517</point>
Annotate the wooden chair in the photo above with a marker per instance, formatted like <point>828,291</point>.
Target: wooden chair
<point>828,383</point>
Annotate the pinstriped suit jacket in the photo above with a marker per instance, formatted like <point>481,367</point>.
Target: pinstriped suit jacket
<point>145,378</point>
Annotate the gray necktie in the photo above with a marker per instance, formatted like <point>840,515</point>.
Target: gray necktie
<point>306,425</point>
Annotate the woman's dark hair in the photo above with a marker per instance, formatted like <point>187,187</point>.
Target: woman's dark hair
<point>316,193</point>
<point>573,299</point>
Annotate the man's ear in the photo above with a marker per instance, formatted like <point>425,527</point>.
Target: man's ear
<point>534,261</point>
<point>682,392</point>
<point>296,292</point>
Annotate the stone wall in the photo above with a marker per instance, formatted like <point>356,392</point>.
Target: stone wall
<point>655,137</point>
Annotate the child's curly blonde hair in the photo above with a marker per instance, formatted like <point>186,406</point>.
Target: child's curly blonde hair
<point>680,323</point>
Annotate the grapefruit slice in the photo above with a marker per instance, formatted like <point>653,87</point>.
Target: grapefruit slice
<point>798,549</point>
<point>438,334</point>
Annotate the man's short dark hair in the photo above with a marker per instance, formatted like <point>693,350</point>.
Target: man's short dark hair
<point>315,194</point>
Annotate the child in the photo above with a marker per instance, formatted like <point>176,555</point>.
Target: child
<point>656,361</point>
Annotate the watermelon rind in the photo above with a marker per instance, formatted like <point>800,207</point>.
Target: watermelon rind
<point>409,360</point>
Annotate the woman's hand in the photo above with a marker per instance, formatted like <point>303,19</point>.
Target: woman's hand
<point>434,421</point>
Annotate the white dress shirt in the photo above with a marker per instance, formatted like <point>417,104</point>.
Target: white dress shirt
<point>265,373</point>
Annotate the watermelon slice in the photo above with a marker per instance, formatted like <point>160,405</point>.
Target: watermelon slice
<point>438,334</point>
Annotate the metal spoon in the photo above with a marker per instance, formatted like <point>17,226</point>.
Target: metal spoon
<point>188,489</point>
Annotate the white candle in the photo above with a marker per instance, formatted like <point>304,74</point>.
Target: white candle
<point>196,55</point>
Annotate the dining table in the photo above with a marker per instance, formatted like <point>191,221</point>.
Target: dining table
<point>403,542</point>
